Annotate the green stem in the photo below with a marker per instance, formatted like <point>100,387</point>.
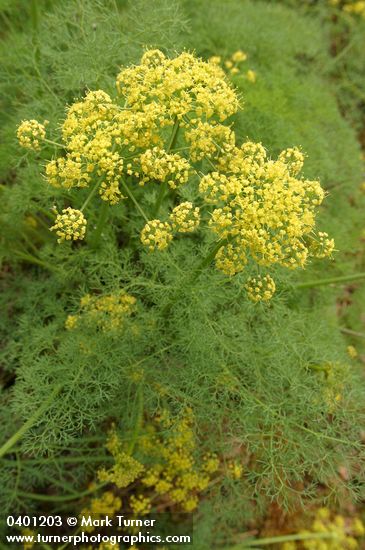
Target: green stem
<point>138,424</point>
<point>33,260</point>
<point>208,259</point>
<point>29,242</point>
<point>49,215</point>
<point>340,55</point>
<point>133,199</point>
<point>63,460</point>
<point>285,538</point>
<point>29,423</point>
<point>90,196</point>
<point>63,498</point>
<point>331,280</point>
<point>163,185</point>
<point>54,143</point>
<point>161,194</point>
<point>352,332</point>
<point>103,216</point>
<point>173,138</point>
<point>194,275</point>
<point>34,13</point>
<point>34,16</point>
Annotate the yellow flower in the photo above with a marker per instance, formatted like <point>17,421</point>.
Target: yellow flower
<point>30,133</point>
<point>107,311</point>
<point>260,288</point>
<point>71,322</point>
<point>321,246</point>
<point>293,158</point>
<point>209,140</point>
<point>239,56</point>
<point>358,528</point>
<point>251,76</point>
<point>125,469</point>
<point>106,504</point>
<point>67,172</point>
<point>156,234</point>
<point>157,164</point>
<point>235,469</point>
<point>215,59</point>
<point>201,86</point>
<point>190,504</point>
<point>352,352</point>
<point>70,225</point>
<point>184,218</point>
<point>28,533</point>
<point>211,463</point>
<point>231,259</point>
<point>140,505</point>
<point>357,8</point>
<point>264,209</point>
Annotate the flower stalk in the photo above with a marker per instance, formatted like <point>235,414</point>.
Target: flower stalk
<point>331,280</point>
<point>285,538</point>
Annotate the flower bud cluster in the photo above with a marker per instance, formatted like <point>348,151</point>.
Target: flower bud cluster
<point>70,225</point>
<point>30,133</point>
<point>184,218</point>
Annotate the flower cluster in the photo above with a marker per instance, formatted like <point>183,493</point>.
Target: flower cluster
<point>230,258</point>
<point>107,312</point>
<point>140,505</point>
<point>70,225</point>
<point>175,474</point>
<point>105,505</point>
<point>352,352</point>
<point>321,246</point>
<point>208,140</point>
<point>259,209</point>
<point>67,173</point>
<point>169,473</point>
<point>234,63</point>
<point>179,86</point>
<point>333,377</point>
<point>234,469</point>
<point>125,470</point>
<point>30,133</point>
<point>156,234</point>
<point>355,7</point>
<point>339,533</point>
<point>263,210</point>
<point>157,164</point>
<point>184,218</point>
<point>260,288</point>
<point>107,140</point>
